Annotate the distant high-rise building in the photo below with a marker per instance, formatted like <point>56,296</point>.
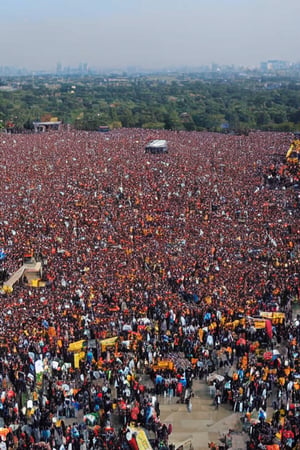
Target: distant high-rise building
<point>264,66</point>
<point>58,67</point>
<point>83,68</point>
<point>274,64</point>
<point>215,67</point>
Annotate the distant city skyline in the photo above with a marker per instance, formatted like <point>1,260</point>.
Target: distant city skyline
<point>86,69</point>
<point>147,33</point>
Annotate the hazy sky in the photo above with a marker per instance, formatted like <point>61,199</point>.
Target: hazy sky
<point>37,34</point>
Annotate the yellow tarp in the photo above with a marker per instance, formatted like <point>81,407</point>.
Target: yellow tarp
<point>35,282</point>
<point>7,289</point>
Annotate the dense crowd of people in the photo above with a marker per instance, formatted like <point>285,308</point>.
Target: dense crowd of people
<point>175,254</point>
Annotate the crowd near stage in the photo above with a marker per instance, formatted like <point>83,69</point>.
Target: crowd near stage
<point>129,276</point>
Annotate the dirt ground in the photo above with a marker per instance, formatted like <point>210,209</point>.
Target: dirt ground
<point>204,423</point>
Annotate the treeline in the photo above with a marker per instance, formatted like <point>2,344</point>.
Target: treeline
<point>179,103</point>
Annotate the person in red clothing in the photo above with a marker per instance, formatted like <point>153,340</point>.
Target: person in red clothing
<point>135,412</point>
<point>288,438</point>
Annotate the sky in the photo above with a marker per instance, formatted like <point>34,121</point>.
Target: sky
<point>149,34</point>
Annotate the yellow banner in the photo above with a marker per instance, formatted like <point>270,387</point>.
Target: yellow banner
<point>266,314</point>
<point>109,341</point>
<point>273,316</point>
<point>77,358</point>
<point>290,150</point>
<point>142,441</point>
<point>259,323</point>
<point>165,364</point>
<point>278,315</point>
<point>76,346</point>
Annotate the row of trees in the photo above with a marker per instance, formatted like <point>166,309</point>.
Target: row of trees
<point>153,102</point>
